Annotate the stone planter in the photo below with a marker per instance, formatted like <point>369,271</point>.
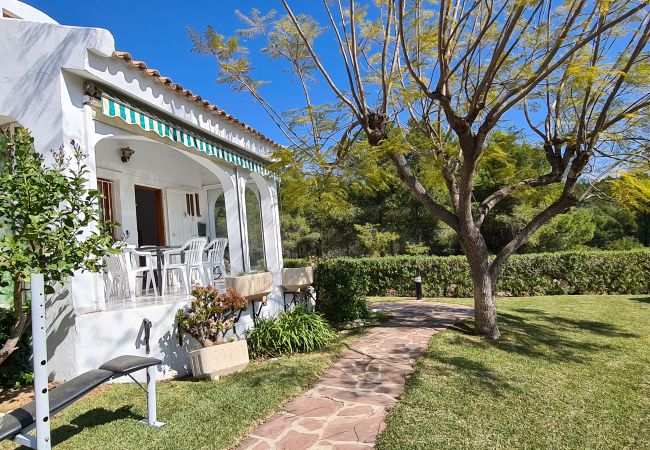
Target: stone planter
<point>254,286</point>
<point>221,359</point>
<point>297,279</point>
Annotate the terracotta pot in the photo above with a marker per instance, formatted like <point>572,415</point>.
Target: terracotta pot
<point>252,286</point>
<point>297,279</point>
<point>221,359</point>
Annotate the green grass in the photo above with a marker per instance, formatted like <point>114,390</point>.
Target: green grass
<point>569,372</point>
<point>198,414</point>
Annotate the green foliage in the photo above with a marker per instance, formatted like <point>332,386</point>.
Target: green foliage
<point>48,221</point>
<point>624,243</point>
<point>565,232</point>
<point>320,211</point>
<point>418,248</point>
<point>46,213</point>
<point>632,189</point>
<point>341,288</point>
<point>377,242</point>
<point>297,331</point>
<point>342,284</point>
<point>210,314</point>
<point>17,369</point>
<point>298,238</point>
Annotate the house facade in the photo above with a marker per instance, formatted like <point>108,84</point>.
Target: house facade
<point>171,165</point>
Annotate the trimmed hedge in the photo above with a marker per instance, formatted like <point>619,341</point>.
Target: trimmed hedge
<point>342,283</point>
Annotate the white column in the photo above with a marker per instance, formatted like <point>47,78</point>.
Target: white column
<point>275,212</point>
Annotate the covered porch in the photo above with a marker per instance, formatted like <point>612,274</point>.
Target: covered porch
<point>164,185</point>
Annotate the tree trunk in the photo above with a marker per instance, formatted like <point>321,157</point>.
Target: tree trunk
<point>22,320</point>
<point>485,306</point>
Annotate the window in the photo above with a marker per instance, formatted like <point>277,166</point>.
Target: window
<point>255,230</point>
<point>192,205</point>
<point>220,221</point>
<point>105,187</point>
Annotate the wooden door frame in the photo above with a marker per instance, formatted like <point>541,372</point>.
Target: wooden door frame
<point>160,215</point>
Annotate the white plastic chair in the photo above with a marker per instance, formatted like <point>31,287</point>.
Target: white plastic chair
<point>122,273</point>
<point>192,262</point>
<point>216,250</point>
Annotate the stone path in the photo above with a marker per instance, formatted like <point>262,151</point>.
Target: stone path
<point>347,407</point>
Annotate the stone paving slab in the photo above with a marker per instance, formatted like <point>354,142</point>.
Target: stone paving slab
<point>347,407</point>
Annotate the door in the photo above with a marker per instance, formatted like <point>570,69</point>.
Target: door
<point>149,215</point>
<point>181,224</point>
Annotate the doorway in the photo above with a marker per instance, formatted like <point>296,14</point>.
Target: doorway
<point>149,216</point>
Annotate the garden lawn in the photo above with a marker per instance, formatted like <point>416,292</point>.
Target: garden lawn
<point>198,414</point>
<point>568,372</point>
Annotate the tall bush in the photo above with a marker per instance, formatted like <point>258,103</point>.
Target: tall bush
<point>341,290</point>
<point>47,217</point>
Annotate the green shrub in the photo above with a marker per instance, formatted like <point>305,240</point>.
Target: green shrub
<point>342,284</point>
<point>291,332</point>
<point>341,288</point>
<point>17,369</point>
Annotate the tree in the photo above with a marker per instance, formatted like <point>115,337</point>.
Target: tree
<point>45,217</point>
<point>376,241</point>
<point>575,72</point>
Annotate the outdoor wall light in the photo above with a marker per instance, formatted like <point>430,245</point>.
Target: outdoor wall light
<point>126,153</point>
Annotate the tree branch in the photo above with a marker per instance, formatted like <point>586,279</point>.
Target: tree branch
<point>420,193</point>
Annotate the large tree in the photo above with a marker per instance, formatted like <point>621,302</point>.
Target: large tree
<point>574,73</point>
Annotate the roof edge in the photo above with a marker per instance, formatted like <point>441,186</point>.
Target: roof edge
<point>179,89</point>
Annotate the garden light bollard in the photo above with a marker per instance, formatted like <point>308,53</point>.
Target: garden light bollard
<point>418,288</point>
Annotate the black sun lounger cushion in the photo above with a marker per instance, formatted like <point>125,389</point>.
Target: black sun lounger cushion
<point>126,364</point>
<point>60,397</point>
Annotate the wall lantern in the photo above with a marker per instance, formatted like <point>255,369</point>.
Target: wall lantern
<point>126,153</point>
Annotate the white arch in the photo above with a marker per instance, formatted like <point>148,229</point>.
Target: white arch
<point>225,176</point>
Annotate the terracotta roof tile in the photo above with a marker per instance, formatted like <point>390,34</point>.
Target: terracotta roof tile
<point>140,65</point>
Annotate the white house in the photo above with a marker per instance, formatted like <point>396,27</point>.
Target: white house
<point>195,170</point>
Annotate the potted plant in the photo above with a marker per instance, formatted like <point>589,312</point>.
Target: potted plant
<point>209,317</point>
<point>253,285</point>
<point>296,279</point>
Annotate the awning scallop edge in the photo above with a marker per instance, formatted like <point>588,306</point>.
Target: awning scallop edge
<point>113,107</point>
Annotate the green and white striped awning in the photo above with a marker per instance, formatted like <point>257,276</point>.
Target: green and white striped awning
<point>113,107</point>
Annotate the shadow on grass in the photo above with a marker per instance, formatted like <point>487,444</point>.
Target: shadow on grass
<point>564,324</point>
<point>641,299</point>
<point>537,334</point>
<point>90,419</point>
<point>478,373</point>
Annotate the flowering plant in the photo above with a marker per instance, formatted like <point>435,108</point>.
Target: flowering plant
<point>210,315</point>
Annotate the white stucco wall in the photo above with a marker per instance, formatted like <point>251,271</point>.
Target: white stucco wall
<point>24,11</point>
<point>107,334</point>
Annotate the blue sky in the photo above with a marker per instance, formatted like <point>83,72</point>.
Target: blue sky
<point>158,36</point>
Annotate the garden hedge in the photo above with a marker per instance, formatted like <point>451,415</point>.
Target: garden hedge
<point>342,283</point>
